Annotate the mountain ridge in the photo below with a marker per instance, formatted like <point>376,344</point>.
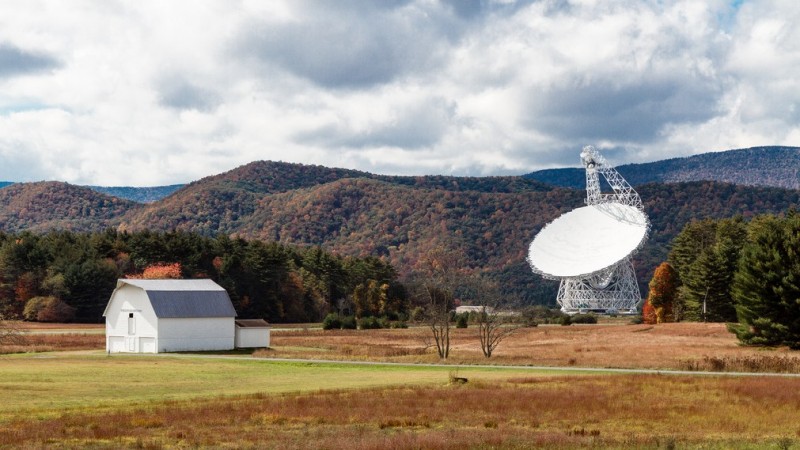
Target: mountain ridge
<point>491,220</point>
<point>782,170</point>
<point>775,166</point>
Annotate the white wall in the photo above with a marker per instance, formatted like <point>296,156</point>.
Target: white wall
<point>195,334</point>
<point>125,301</point>
<point>252,337</point>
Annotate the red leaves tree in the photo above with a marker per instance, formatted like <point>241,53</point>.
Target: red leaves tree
<point>649,313</point>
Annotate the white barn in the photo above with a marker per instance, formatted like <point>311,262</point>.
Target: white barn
<point>153,316</point>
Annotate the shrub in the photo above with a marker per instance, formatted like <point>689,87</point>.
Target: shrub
<point>56,310</point>
<point>398,324</point>
<point>33,306</point>
<point>383,322</point>
<point>332,322</point>
<point>461,320</point>
<point>349,323</point>
<point>584,318</point>
<point>565,320</point>
<point>368,323</point>
<point>417,314</point>
<point>48,309</point>
<point>534,315</point>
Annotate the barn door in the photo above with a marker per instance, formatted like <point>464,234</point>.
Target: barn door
<point>147,345</point>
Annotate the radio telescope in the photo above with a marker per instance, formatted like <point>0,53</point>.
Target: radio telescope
<point>590,248</point>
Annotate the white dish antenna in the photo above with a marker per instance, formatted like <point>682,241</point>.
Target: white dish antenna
<point>589,248</point>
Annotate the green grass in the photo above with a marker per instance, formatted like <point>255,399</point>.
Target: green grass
<point>47,384</point>
<point>89,399</point>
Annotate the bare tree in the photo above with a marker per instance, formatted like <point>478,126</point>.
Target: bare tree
<point>437,316</point>
<point>437,275</point>
<point>10,332</point>
<point>494,324</point>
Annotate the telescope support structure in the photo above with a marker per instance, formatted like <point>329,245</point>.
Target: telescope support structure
<point>614,290</point>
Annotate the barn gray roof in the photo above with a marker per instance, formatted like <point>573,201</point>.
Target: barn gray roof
<point>174,304</point>
<point>251,323</point>
<point>185,298</point>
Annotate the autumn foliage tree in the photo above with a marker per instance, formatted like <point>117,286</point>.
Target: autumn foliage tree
<point>663,293</point>
<point>61,275</point>
<point>161,271</point>
<point>649,313</point>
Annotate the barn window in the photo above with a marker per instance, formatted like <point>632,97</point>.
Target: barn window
<point>131,324</point>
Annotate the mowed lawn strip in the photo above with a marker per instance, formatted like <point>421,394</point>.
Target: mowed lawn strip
<point>53,382</point>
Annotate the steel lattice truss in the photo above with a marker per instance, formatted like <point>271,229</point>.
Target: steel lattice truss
<point>614,289</point>
<point>595,166</point>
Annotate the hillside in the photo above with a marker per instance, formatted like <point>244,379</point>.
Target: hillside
<point>226,201</point>
<point>50,205</point>
<point>757,166</point>
<point>148,194</point>
<point>492,220</point>
<point>394,218</point>
<point>136,194</point>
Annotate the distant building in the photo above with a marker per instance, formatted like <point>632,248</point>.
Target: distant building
<point>154,316</point>
<point>475,309</point>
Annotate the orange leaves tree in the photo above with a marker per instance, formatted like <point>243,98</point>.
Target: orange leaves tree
<point>649,313</point>
<point>161,271</point>
<point>663,293</point>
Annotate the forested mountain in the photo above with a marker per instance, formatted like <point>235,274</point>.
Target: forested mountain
<point>138,194</point>
<point>756,166</point>
<point>49,205</point>
<point>492,220</point>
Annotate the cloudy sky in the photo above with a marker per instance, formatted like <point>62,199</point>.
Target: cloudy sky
<point>160,92</point>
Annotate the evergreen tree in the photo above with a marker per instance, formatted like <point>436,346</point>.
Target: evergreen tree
<point>705,255</point>
<point>767,284</point>
<point>687,246</point>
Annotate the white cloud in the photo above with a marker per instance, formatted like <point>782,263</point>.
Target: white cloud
<point>164,92</point>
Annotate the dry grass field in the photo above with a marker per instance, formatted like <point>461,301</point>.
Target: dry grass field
<point>577,411</point>
<point>615,344</point>
<point>679,346</point>
<point>49,337</point>
<point>89,400</point>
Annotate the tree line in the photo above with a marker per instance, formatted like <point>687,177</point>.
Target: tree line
<point>730,270</point>
<point>64,275</point>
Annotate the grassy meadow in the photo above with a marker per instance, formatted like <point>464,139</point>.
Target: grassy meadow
<point>77,398</point>
<point>614,344</point>
<point>90,400</point>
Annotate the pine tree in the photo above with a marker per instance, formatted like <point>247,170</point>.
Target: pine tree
<point>705,255</point>
<point>694,238</point>
<point>767,284</point>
